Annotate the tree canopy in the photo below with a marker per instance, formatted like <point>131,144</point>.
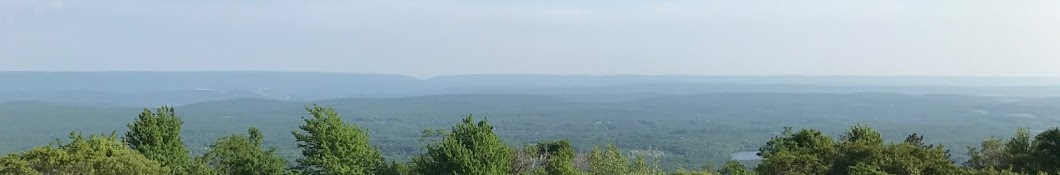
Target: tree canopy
<point>156,135</point>
<point>241,154</point>
<point>92,155</point>
<point>469,148</point>
<point>331,146</point>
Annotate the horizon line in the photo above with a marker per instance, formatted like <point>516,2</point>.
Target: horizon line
<point>530,74</point>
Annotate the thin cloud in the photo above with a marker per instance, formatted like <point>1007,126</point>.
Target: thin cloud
<point>558,37</point>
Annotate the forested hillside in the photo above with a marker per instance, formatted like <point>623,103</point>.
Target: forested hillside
<point>675,130</point>
<point>153,144</point>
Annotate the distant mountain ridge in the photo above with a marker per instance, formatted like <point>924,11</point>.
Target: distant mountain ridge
<point>177,88</point>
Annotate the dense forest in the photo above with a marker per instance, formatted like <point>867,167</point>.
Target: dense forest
<point>152,144</point>
<point>679,130</point>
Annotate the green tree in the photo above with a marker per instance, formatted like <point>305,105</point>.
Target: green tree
<point>468,149</point>
<point>395,168</point>
<point>682,171</point>
<point>866,169</point>
<point>988,171</point>
<point>1046,153</point>
<point>608,161</point>
<point>860,150</point>
<point>790,163</point>
<point>706,169</point>
<point>95,155</point>
<point>990,154</point>
<point>915,139</point>
<point>156,135</point>
<point>735,168</point>
<point>240,154</point>
<point>913,158</point>
<point>860,144</point>
<point>642,167</point>
<point>805,152</point>
<point>13,164</point>
<point>560,158</point>
<point>1018,152</point>
<point>863,134</point>
<point>332,147</point>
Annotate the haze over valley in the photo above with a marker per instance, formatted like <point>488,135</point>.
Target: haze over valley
<point>688,120</point>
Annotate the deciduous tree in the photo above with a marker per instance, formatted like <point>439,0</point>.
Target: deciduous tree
<point>94,155</point>
<point>469,148</point>
<point>333,147</point>
<point>156,135</point>
<point>240,154</point>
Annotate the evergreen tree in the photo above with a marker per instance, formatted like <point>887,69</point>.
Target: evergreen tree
<point>243,155</point>
<point>156,135</point>
<point>468,149</point>
<point>915,139</point>
<point>864,135</point>
<point>332,147</point>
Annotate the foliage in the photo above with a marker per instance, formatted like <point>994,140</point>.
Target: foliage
<point>690,129</point>
<point>156,135</point>
<point>735,168</point>
<point>707,169</point>
<point>608,161</point>
<point>1046,153</point>
<point>97,154</point>
<point>240,154</point>
<point>330,146</point>
<point>990,154</point>
<point>866,169</point>
<point>805,152</point>
<point>988,171</point>
<point>682,171</point>
<point>395,168</point>
<point>1018,152</point>
<point>559,158</point>
<point>642,167</point>
<point>468,149</point>
<point>860,150</point>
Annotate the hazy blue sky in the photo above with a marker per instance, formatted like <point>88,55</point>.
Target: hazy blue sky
<point>432,37</point>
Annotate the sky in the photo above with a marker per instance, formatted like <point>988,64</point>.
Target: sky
<point>601,37</point>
